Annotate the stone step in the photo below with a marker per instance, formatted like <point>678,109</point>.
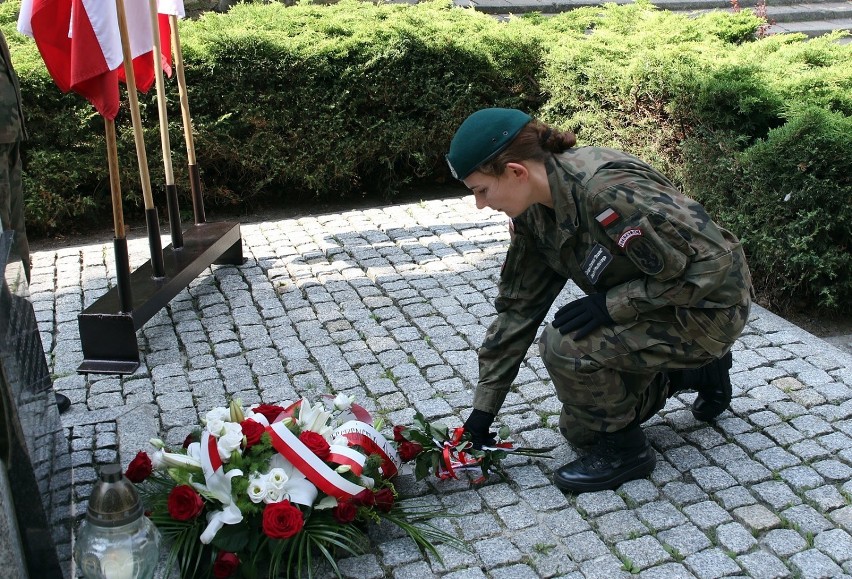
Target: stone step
<point>815,18</point>
<point>812,28</point>
<point>556,6</point>
<point>827,11</point>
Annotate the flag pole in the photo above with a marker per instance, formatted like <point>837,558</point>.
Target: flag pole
<point>194,178</point>
<point>171,189</point>
<point>119,242</point>
<point>151,218</point>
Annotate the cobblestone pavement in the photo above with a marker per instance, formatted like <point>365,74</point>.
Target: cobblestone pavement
<point>389,304</point>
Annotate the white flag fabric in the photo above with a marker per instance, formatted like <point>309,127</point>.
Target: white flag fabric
<point>174,7</point>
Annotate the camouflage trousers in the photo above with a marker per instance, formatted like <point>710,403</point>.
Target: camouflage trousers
<point>613,378</point>
<point>12,200</point>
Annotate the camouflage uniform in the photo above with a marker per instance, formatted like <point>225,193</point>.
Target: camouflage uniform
<point>677,286</point>
<point>12,132</point>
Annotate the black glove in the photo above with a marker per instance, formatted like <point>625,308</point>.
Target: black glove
<point>477,424</point>
<point>586,314</point>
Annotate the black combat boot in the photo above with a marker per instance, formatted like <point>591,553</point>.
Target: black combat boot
<point>617,457</point>
<point>713,383</point>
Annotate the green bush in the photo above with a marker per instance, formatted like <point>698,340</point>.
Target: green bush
<point>289,104</point>
<point>794,223</point>
<point>336,103</point>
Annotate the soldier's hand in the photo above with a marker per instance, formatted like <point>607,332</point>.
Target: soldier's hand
<point>585,314</point>
<point>477,424</point>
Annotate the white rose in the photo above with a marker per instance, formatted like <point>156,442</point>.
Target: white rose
<point>343,402</point>
<point>277,478</point>
<point>273,495</point>
<point>220,413</point>
<point>257,489</point>
<point>215,426</point>
<point>228,443</point>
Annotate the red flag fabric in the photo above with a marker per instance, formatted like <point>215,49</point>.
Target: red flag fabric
<point>80,43</point>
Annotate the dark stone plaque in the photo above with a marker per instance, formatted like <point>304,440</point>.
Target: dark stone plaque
<point>33,445</point>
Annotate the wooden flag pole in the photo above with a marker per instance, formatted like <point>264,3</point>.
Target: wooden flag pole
<point>122,260</point>
<point>194,177</point>
<point>171,189</point>
<point>153,222</point>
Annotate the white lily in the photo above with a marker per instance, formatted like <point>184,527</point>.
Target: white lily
<point>162,460</point>
<point>218,487</point>
<point>315,418</point>
<point>296,487</point>
<point>326,503</point>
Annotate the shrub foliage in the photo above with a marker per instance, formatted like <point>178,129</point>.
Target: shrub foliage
<point>336,103</point>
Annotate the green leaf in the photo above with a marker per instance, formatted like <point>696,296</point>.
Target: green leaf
<point>232,538</point>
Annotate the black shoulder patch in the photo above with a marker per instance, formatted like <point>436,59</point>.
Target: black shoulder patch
<point>645,255</point>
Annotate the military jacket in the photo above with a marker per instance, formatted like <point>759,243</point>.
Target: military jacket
<point>11,116</point>
<point>617,226</point>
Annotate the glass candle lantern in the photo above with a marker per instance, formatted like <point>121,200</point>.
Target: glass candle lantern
<point>116,540</point>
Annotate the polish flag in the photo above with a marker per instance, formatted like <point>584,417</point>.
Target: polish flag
<point>80,43</point>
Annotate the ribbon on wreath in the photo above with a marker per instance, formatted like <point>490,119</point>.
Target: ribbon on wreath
<point>340,454</point>
<point>362,434</point>
<point>309,464</point>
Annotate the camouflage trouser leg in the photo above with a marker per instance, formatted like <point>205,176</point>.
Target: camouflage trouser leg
<point>12,200</point>
<point>610,379</point>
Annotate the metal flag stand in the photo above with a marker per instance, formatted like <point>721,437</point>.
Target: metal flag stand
<point>108,326</point>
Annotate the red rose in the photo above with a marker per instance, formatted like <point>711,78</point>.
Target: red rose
<point>397,433</point>
<point>365,498</point>
<point>316,443</point>
<point>225,565</point>
<point>270,411</point>
<point>344,512</point>
<point>190,438</point>
<point>409,450</point>
<point>139,468</point>
<point>184,503</point>
<point>252,431</point>
<point>384,500</point>
<point>282,520</point>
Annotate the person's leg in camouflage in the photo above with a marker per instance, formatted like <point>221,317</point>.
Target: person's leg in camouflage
<point>612,381</point>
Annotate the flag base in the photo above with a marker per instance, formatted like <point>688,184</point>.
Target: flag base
<point>108,335</point>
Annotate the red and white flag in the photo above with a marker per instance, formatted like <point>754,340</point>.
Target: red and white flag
<point>80,43</point>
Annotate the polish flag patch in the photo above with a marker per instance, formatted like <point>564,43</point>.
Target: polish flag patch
<point>608,217</point>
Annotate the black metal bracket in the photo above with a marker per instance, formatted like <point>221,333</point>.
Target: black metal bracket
<point>108,334</point>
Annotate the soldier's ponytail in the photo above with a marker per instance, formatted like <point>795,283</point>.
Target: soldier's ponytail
<point>535,142</point>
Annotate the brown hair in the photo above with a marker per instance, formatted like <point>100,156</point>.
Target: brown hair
<point>536,142</point>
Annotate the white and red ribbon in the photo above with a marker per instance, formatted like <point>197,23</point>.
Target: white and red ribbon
<point>363,435</point>
<point>309,464</point>
<point>339,454</point>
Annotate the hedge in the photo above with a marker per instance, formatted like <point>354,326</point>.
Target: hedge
<point>355,100</point>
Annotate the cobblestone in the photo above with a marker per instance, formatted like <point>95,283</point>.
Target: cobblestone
<point>389,304</point>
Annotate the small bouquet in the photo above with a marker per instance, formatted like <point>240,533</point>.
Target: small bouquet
<point>436,449</point>
<point>271,490</point>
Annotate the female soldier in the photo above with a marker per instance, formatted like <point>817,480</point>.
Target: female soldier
<point>668,290</point>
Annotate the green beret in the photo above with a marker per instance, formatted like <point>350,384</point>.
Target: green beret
<point>481,137</point>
